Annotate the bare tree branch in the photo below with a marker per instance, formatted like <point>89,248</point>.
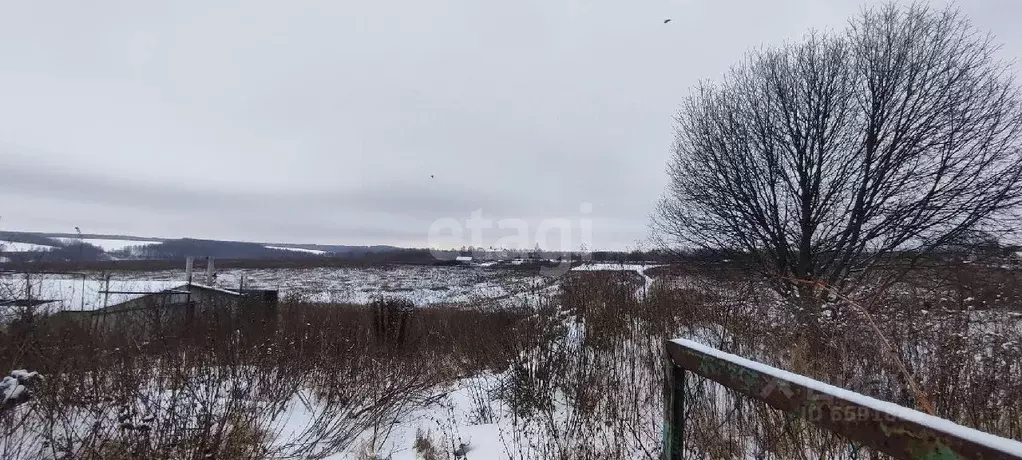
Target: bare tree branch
<point>822,157</point>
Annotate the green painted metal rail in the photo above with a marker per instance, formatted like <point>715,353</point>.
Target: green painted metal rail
<point>886,427</point>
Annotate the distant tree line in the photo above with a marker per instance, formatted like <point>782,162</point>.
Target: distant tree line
<point>58,252</point>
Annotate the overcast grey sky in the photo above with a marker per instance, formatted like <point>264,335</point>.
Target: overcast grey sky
<point>322,121</point>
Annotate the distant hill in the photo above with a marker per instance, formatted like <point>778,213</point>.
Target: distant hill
<point>54,247</point>
<point>29,238</point>
<point>64,251</point>
<point>87,236</point>
<point>180,249</point>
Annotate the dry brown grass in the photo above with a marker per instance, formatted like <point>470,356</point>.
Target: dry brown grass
<point>581,372</point>
<point>587,386</point>
<point>220,385</point>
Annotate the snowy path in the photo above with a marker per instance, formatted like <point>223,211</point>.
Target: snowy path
<point>637,268</point>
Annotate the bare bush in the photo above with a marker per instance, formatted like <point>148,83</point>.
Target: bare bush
<point>229,385</point>
<point>577,375</point>
<point>580,389</point>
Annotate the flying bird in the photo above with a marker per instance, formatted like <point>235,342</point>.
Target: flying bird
<point>667,20</point>
<point>431,176</point>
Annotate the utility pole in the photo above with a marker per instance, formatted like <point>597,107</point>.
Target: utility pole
<point>81,246</point>
<point>209,271</point>
<point>189,307</point>
<point>106,293</point>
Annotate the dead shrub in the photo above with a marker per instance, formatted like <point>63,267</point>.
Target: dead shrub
<point>424,446</point>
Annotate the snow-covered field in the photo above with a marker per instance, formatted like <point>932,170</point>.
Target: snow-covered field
<point>637,268</point>
<point>448,423</point>
<point>117,245</point>
<point>471,412</point>
<point>604,266</point>
<point>308,251</point>
<point>23,247</point>
<point>423,285</point>
<point>108,245</point>
<point>77,293</point>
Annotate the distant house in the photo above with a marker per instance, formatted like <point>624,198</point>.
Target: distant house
<point>463,259</point>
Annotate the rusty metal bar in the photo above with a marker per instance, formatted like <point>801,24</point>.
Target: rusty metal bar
<point>886,427</point>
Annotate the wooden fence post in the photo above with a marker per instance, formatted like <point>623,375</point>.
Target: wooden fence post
<point>674,409</point>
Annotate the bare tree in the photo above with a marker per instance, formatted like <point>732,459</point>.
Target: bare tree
<point>823,157</point>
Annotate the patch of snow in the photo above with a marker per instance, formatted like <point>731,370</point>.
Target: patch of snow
<point>452,425</point>
<point>23,375</point>
<point>23,247</point>
<point>422,285</point>
<point>79,294</point>
<point>112,245</point>
<point>16,387</point>
<point>638,268</point>
<point>603,266</point>
<point>309,251</point>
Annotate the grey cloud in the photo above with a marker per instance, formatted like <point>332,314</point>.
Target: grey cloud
<point>190,117</point>
<point>424,200</point>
